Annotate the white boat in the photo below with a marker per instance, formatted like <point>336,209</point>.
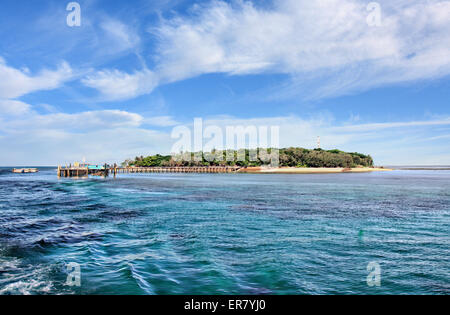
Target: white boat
<point>25,170</point>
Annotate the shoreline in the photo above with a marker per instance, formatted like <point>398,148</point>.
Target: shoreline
<point>109,170</point>
<point>321,170</point>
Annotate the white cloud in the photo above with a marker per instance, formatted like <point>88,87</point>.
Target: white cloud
<point>12,107</point>
<point>91,120</point>
<point>100,136</point>
<point>112,136</point>
<point>117,85</point>
<point>53,147</point>
<point>161,121</point>
<point>394,143</point>
<point>326,47</point>
<point>390,125</point>
<point>15,83</point>
<point>48,108</point>
<point>113,84</point>
<point>123,37</point>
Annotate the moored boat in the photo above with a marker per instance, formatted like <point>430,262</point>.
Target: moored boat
<point>25,170</point>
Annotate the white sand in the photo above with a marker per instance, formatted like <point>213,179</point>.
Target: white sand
<point>294,170</point>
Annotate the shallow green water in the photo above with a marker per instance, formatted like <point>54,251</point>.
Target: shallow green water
<point>226,234</point>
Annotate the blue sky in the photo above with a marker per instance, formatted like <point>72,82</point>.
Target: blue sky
<point>117,85</point>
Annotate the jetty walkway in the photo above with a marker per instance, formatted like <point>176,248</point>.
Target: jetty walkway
<point>107,170</point>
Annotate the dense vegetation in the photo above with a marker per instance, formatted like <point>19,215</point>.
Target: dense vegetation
<point>298,157</point>
<point>292,157</point>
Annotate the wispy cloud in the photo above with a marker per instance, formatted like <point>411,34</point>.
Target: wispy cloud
<point>391,125</point>
<point>391,143</point>
<point>161,121</point>
<point>15,83</point>
<point>123,37</point>
<point>100,136</point>
<point>113,135</point>
<point>84,121</point>
<point>116,85</point>
<point>326,47</point>
<point>12,107</point>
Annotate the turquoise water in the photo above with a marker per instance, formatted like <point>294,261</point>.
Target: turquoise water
<point>226,234</point>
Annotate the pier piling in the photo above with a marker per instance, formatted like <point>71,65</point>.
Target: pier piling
<point>70,171</point>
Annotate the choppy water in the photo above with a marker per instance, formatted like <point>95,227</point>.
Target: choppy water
<point>226,234</point>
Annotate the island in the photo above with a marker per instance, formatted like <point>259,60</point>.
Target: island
<point>291,160</point>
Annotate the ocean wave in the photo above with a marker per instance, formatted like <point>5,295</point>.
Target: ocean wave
<point>19,278</point>
<point>27,287</point>
<point>224,234</point>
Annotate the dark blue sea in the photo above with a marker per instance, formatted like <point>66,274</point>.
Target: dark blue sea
<point>226,234</point>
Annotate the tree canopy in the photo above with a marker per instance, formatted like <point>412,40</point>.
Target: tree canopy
<point>288,157</point>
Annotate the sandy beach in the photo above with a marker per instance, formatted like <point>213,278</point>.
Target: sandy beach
<point>294,170</point>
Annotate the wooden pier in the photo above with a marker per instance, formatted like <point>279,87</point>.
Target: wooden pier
<point>106,170</point>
